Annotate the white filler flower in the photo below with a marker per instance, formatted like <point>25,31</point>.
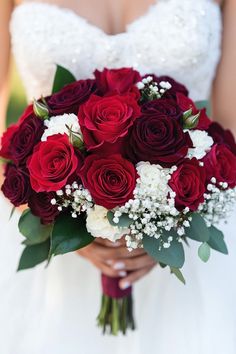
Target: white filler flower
<point>98,225</point>
<point>202,143</point>
<point>58,125</point>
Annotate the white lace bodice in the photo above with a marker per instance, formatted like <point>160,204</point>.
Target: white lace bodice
<point>180,38</point>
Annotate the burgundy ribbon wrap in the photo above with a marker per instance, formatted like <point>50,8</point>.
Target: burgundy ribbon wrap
<point>110,287</point>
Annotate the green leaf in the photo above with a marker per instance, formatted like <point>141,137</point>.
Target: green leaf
<point>204,252</point>
<point>62,78</point>
<point>69,235</point>
<point>34,255</point>
<point>172,256</point>
<point>31,227</point>
<point>204,104</point>
<point>216,240</point>
<point>12,212</point>
<point>124,220</point>
<point>177,272</point>
<point>198,229</point>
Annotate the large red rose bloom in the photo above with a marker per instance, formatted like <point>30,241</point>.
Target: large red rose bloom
<point>52,163</point>
<point>105,121</point>
<point>111,181</point>
<point>188,182</point>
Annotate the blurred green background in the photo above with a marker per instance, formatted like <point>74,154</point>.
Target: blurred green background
<point>17,101</point>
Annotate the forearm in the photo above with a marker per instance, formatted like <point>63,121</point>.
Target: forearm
<point>224,89</point>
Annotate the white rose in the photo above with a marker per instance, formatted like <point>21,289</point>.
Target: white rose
<point>98,225</point>
<point>57,125</point>
<point>202,143</point>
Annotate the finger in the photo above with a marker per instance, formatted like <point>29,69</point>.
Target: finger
<point>107,243</point>
<point>105,253</point>
<point>134,276</point>
<point>105,269</point>
<point>134,263</point>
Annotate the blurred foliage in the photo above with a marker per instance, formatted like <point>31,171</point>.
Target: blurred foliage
<point>17,101</point>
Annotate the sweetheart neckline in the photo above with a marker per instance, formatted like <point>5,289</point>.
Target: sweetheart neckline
<point>83,19</point>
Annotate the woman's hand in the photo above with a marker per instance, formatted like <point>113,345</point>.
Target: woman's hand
<point>114,260</point>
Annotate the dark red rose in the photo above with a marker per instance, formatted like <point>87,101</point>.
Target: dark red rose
<point>116,80</point>
<point>69,99</point>
<point>186,103</point>
<point>175,86</point>
<point>24,140</point>
<point>41,206</point>
<point>28,112</point>
<point>158,139</point>
<point>16,186</point>
<point>220,163</point>
<point>222,136</point>
<point>111,180</point>
<point>188,182</point>
<point>6,139</point>
<point>163,105</point>
<point>52,163</point>
<point>105,121</point>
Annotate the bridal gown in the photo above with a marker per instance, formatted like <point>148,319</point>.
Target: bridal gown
<point>53,310</point>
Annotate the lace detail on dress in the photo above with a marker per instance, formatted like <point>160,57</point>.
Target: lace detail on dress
<point>180,38</point>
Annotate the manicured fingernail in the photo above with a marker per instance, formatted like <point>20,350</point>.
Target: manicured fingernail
<point>116,244</point>
<point>125,285</point>
<point>119,265</point>
<point>109,262</point>
<point>122,274</point>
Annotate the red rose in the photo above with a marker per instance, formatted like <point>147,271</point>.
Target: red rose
<point>188,182</point>
<point>52,163</point>
<point>5,150</point>
<point>110,180</point>
<point>41,206</point>
<point>163,105</point>
<point>69,99</point>
<point>158,139</point>
<point>106,120</point>
<point>186,103</point>
<point>118,80</point>
<point>222,136</point>
<point>16,186</point>
<point>29,133</point>
<point>220,163</point>
<point>29,111</point>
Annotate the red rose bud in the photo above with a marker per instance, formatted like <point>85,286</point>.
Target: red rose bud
<point>188,182</point>
<point>111,180</point>
<point>159,140</point>
<point>52,163</point>
<point>186,104</point>
<point>16,186</point>
<point>69,99</point>
<point>220,163</point>
<point>116,80</point>
<point>40,109</point>
<point>105,121</point>
<point>41,206</point>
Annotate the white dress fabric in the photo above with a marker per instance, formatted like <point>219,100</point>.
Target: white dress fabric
<point>53,310</point>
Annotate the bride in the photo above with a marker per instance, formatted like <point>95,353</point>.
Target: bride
<point>44,311</point>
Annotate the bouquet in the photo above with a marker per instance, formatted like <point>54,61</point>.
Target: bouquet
<point>119,155</point>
